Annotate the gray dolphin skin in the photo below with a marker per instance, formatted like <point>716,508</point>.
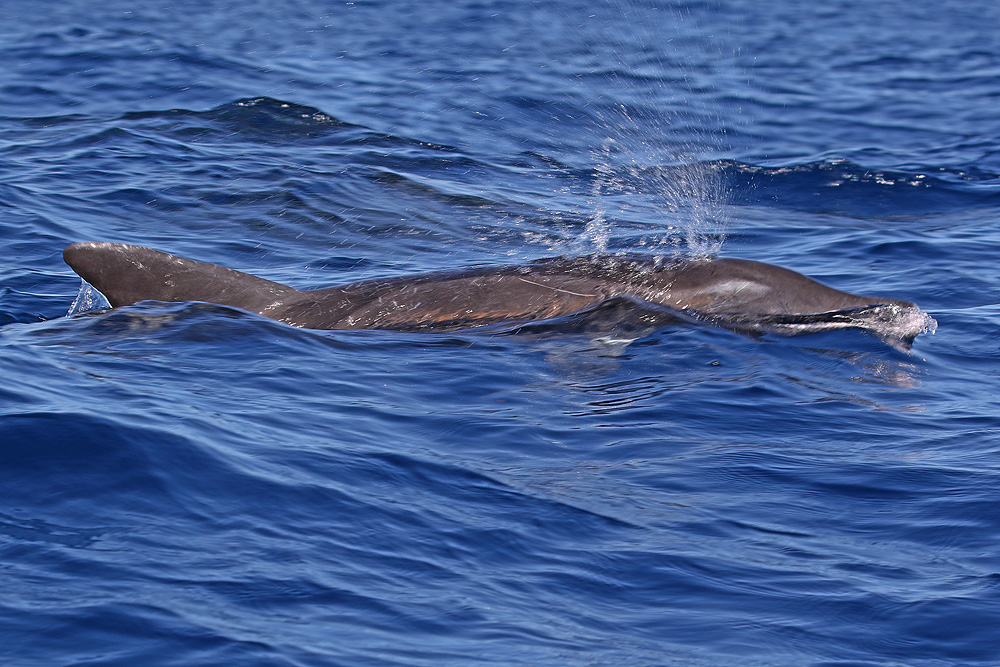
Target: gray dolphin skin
<point>739,294</point>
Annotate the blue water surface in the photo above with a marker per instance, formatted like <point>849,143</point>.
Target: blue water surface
<point>189,484</point>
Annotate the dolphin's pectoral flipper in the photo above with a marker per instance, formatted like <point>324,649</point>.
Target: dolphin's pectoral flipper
<point>127,274</point>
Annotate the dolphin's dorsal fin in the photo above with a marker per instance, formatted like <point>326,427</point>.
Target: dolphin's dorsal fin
<point>127,274</point>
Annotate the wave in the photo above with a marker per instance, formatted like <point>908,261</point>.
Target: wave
<point>821,186</point>
<point>271,120</point>
<point>834,186</point>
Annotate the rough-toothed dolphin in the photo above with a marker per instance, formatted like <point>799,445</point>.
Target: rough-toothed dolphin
<point>735,293</point>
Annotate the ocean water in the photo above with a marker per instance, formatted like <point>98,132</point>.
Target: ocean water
<point>189,484</point>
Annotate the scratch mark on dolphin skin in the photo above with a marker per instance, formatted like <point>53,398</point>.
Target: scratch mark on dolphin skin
<point>554,289</point>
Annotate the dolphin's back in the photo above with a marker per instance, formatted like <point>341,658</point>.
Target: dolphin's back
<point>446,301</point>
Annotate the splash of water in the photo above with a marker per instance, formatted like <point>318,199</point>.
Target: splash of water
<point>87,299</point>
<point>661,133</point>
<point>687,196</point>
<point>597,232</point>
